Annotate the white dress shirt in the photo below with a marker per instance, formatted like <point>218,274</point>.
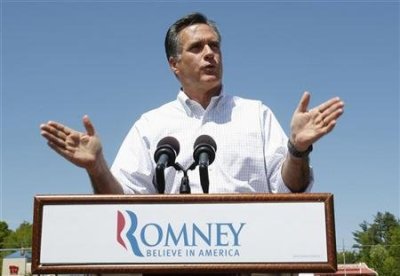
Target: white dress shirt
<point>251,147</point>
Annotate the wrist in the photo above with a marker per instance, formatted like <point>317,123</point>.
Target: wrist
<point>293,151</point>
<point>98,167</point>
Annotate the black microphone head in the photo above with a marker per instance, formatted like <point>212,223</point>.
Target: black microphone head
<point>204,144</point>
<point>169,146</point>
<point>206,140</point>
<point>169,141</point>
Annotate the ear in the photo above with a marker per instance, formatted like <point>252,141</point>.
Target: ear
<point>173,65</point>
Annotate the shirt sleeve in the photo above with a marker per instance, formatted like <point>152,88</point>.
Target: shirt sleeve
<point>275,151</point>
<point>133,164</point>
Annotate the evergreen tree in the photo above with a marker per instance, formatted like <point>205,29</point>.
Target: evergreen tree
<point>379,243</point>
<point>4,232</point>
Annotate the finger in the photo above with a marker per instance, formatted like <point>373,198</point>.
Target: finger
<point>51,130</point>
<point>326,105</point>
<point>337,106</point>
<point>329,127</point>
<point>60,127</point>
<point>333,116</point>
<point>54,139</point>
<point>304,101</point>
<point>61,151</point>
<point>88,125</point>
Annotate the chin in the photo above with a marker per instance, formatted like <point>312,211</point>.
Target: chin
<point>212,79</point>
<point>214,85</point>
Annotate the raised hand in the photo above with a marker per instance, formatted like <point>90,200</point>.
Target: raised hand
<point>82,149</point>
<point>307,126</point>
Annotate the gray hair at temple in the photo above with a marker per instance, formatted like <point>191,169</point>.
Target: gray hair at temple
<point>172,43</point>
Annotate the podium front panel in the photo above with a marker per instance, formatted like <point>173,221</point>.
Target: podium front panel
<point>184,233</point>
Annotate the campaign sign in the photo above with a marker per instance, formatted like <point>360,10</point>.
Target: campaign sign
<point>165,230</point>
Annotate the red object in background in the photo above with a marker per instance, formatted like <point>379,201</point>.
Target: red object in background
<point>13,269</point>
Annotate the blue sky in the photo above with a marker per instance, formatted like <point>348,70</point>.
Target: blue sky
<point>63,59</point>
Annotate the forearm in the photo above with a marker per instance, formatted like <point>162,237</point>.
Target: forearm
<point>296,173</point>
<point>103,181</point>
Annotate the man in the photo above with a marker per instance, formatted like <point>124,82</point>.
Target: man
<point>254,154</point>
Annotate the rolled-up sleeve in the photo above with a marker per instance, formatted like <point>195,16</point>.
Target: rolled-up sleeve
<point>275,152</point>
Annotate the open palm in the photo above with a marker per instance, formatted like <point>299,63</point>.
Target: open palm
<point>80,148</point>
<point>307,126</point>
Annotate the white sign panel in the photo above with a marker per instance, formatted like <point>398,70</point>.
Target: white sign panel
<point>259,232</point>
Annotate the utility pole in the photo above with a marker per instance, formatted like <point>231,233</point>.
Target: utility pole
<point>344,257</point>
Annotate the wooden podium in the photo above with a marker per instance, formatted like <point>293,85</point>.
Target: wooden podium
<point>184,233</point>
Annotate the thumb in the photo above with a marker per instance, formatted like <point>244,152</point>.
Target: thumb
<point>88,125</point>
<point>304,101</point>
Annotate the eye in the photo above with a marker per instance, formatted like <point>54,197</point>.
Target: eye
<point>195,48</point>
<point>214,45</point>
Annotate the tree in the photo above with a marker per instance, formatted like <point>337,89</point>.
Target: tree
<point>347,257</point>
<point>379,244</point>
<point>394,249</point>
<point>4,232</point>
<point>21,237</point>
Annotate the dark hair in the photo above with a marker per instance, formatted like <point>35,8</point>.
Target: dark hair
<point>172,43</point>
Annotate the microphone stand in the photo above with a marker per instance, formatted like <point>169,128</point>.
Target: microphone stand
<point>185,186</point>
<point>159,179</point>
<point>204,179</point>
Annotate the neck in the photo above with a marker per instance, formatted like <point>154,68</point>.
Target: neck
<point>203,97</point>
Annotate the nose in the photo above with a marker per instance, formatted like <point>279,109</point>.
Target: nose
<point>208,52</point>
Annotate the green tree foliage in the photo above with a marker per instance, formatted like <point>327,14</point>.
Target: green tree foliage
<point>347,257</point>
<point>394,249</point>
<point>21,237</point>
<point>379,244</point>
<point>4,232</point>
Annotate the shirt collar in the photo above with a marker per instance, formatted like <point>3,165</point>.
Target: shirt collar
<point>190,105</point>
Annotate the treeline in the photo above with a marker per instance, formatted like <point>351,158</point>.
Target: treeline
<point>377,243</point>
<point>20,238</point>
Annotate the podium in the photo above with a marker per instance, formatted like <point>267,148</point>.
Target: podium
<point>196,233</point>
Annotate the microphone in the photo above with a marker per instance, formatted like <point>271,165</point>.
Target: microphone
<point>164,156</point>
<point>204,154</point>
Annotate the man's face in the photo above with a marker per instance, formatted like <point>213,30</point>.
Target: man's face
<point>199,65</point>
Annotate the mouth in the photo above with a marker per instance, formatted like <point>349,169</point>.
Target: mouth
<point>210,68</point>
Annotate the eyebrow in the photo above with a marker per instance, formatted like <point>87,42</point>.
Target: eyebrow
<point>203,42</point>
